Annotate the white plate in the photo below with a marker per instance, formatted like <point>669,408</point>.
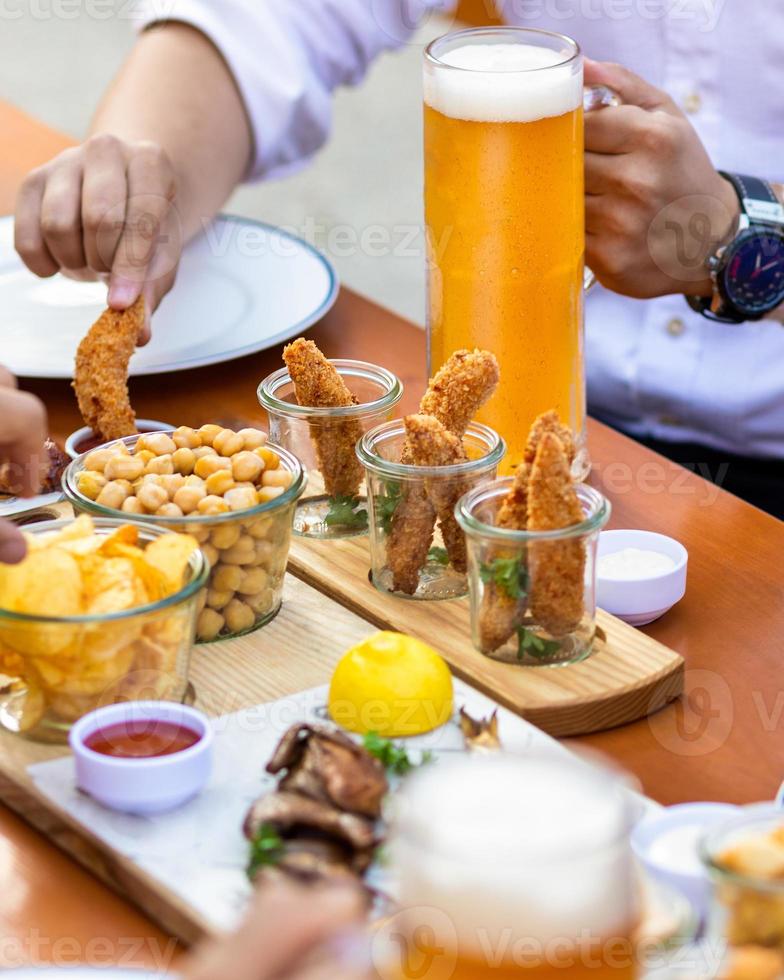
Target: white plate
<point>242,287</point>
<point>12,506</point>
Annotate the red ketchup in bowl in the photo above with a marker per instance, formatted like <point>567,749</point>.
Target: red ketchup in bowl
<point>143,739</point>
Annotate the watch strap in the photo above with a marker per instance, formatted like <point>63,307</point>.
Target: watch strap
<point>757,198</point>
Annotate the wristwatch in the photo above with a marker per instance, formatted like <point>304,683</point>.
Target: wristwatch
<point>748,272</point>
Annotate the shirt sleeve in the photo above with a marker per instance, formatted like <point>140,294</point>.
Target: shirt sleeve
<point>288,57</point>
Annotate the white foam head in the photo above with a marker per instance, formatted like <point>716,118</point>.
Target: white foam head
<point>536,845</point>
<point>502,83</point>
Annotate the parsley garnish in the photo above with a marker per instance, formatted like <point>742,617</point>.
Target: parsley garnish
<point>344,511</point>
<point>266,849</point>
<point>386,505</point>
<point>438,555</point>
<point>508,574</point>
<point>393,757</point>
<point>535,646</point>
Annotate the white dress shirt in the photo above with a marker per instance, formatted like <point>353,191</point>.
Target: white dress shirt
<point>654,367</point>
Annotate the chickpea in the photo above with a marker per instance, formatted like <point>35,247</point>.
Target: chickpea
<point>151,497</point>
<point>144,455</point>
<point>209,624</point>
<point>252,438</point>
<point>208,465</point>
<point>188,499</point>
<point>202,534</point>
<point>240,499</point>
<point>269,493</point>
<point>186,438</point>
<point>246,466</point>
<point>131,505</point>
<point>98,458</point>
<point>201,451</point>
<point>168,510</point>
<point>171,483</point>
<point>212,505</point>
<point>184,461</point>
<point>265,552</point>
<point>123,468</point>
<point>226,578</point>
<point>112,495</point>
<point>227,442</point>
<point>201,601</point>
<point>225,536</point>
<point>194,481</point>
<point>210,553</point>
<point>268,457</point>
<point>260,529</point>
<point>160,444</point>
<point>239,616</point>
<point>207,433</point>
<point>219,482</point>
<point>90,483</point>
<point>163,465</point>
<point>261,603</point>
<point>238,556</point>
<point>152,478</point>
<point>217,599</point>
<point>276,478</point>
<point>253,580</point>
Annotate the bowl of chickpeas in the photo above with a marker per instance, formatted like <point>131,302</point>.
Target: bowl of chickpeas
<point>233,491</point>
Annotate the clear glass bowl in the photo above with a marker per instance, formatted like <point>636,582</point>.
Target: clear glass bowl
<point>247,550</point>
<point>413,555</point>
<point>334,504</point>
<point>533,593</point>
<point>64,667</point>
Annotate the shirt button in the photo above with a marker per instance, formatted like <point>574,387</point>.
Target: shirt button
<point>692,103</point>
<point>676,327</point>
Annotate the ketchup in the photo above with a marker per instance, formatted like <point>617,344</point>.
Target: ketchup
<point>147,738</point>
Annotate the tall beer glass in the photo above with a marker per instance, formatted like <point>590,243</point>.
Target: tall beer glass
<point>505,219</point>
<point>513,868</point>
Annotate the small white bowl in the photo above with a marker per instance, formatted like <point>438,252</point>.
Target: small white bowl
<point>144,425</point>
<point>143,785</point>
<point>666,844</point>
<point>640,601</point>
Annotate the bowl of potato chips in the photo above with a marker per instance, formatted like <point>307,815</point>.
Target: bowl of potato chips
<point>234,492</point>
<point>98,612</point>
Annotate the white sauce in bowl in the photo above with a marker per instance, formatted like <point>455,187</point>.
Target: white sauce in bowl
<point>634,564</point>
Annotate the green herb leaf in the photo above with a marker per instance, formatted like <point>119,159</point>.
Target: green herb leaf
<point>438,555</point>
<point>386,505</point>
<point>535,646</point>
<point>266,849</point>
<point>344,511</point>
<point>507,574</point>
<point>393,757</point>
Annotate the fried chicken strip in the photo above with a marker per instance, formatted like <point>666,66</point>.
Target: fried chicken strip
<point>502,613</point>
<point>101,374</point>
<point>549,422</point>
<point>460,388</point>
<point>556,568</point>
<point>318,385</point>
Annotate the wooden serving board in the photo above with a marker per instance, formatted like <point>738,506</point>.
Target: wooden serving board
<point>628,677</point>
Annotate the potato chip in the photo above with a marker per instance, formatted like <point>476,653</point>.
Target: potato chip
<point>113,586</point>
<point>128,534</point>
<point>82,527</point>
<point>152,578</point>
<point>170,555</point>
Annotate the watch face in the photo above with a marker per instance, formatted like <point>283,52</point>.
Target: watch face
<point>754,274</point>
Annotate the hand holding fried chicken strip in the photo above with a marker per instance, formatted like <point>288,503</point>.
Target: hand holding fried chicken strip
<point>502,613</point>
<point>101,375</point>
<point>556,568</point>
<point>318,385</point>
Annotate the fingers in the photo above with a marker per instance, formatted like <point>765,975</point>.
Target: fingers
<point>12,544</point>
<point>104,194</point>
<point>22,438</point>
<point>615,129</point>
<point>7,380</point>
<point>632,89</point>
<point>28,234</point>
<point>61,221</point>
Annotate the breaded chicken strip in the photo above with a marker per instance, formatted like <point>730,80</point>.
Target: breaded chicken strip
<point>410,538</point>
<point>431,444</point>
<point>549,422</point>
<point>556,568</point>
<point>460,388</point>
<point>101,374</point>
<point>318,385</point>
<point>502,613</point>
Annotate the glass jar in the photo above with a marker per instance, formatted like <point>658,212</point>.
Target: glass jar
<point>533,593</point>
<point>247,550</point>
<point>334,504</point>
<point>417,551</point>
<point>61,668</point>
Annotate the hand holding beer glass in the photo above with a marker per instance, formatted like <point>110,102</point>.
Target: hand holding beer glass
<point>505,217</point>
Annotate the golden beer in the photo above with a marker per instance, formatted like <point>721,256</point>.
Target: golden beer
<point>505,216</point>
<point>513,868</point>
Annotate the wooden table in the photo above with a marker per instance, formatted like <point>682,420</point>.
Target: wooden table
<point>722,743</point>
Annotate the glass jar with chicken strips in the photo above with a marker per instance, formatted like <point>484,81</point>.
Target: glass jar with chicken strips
<point>533,593</point>
<point>57,668</point>
<point>334,504</point>
<point>417,549</point>
<point>244,530</point>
